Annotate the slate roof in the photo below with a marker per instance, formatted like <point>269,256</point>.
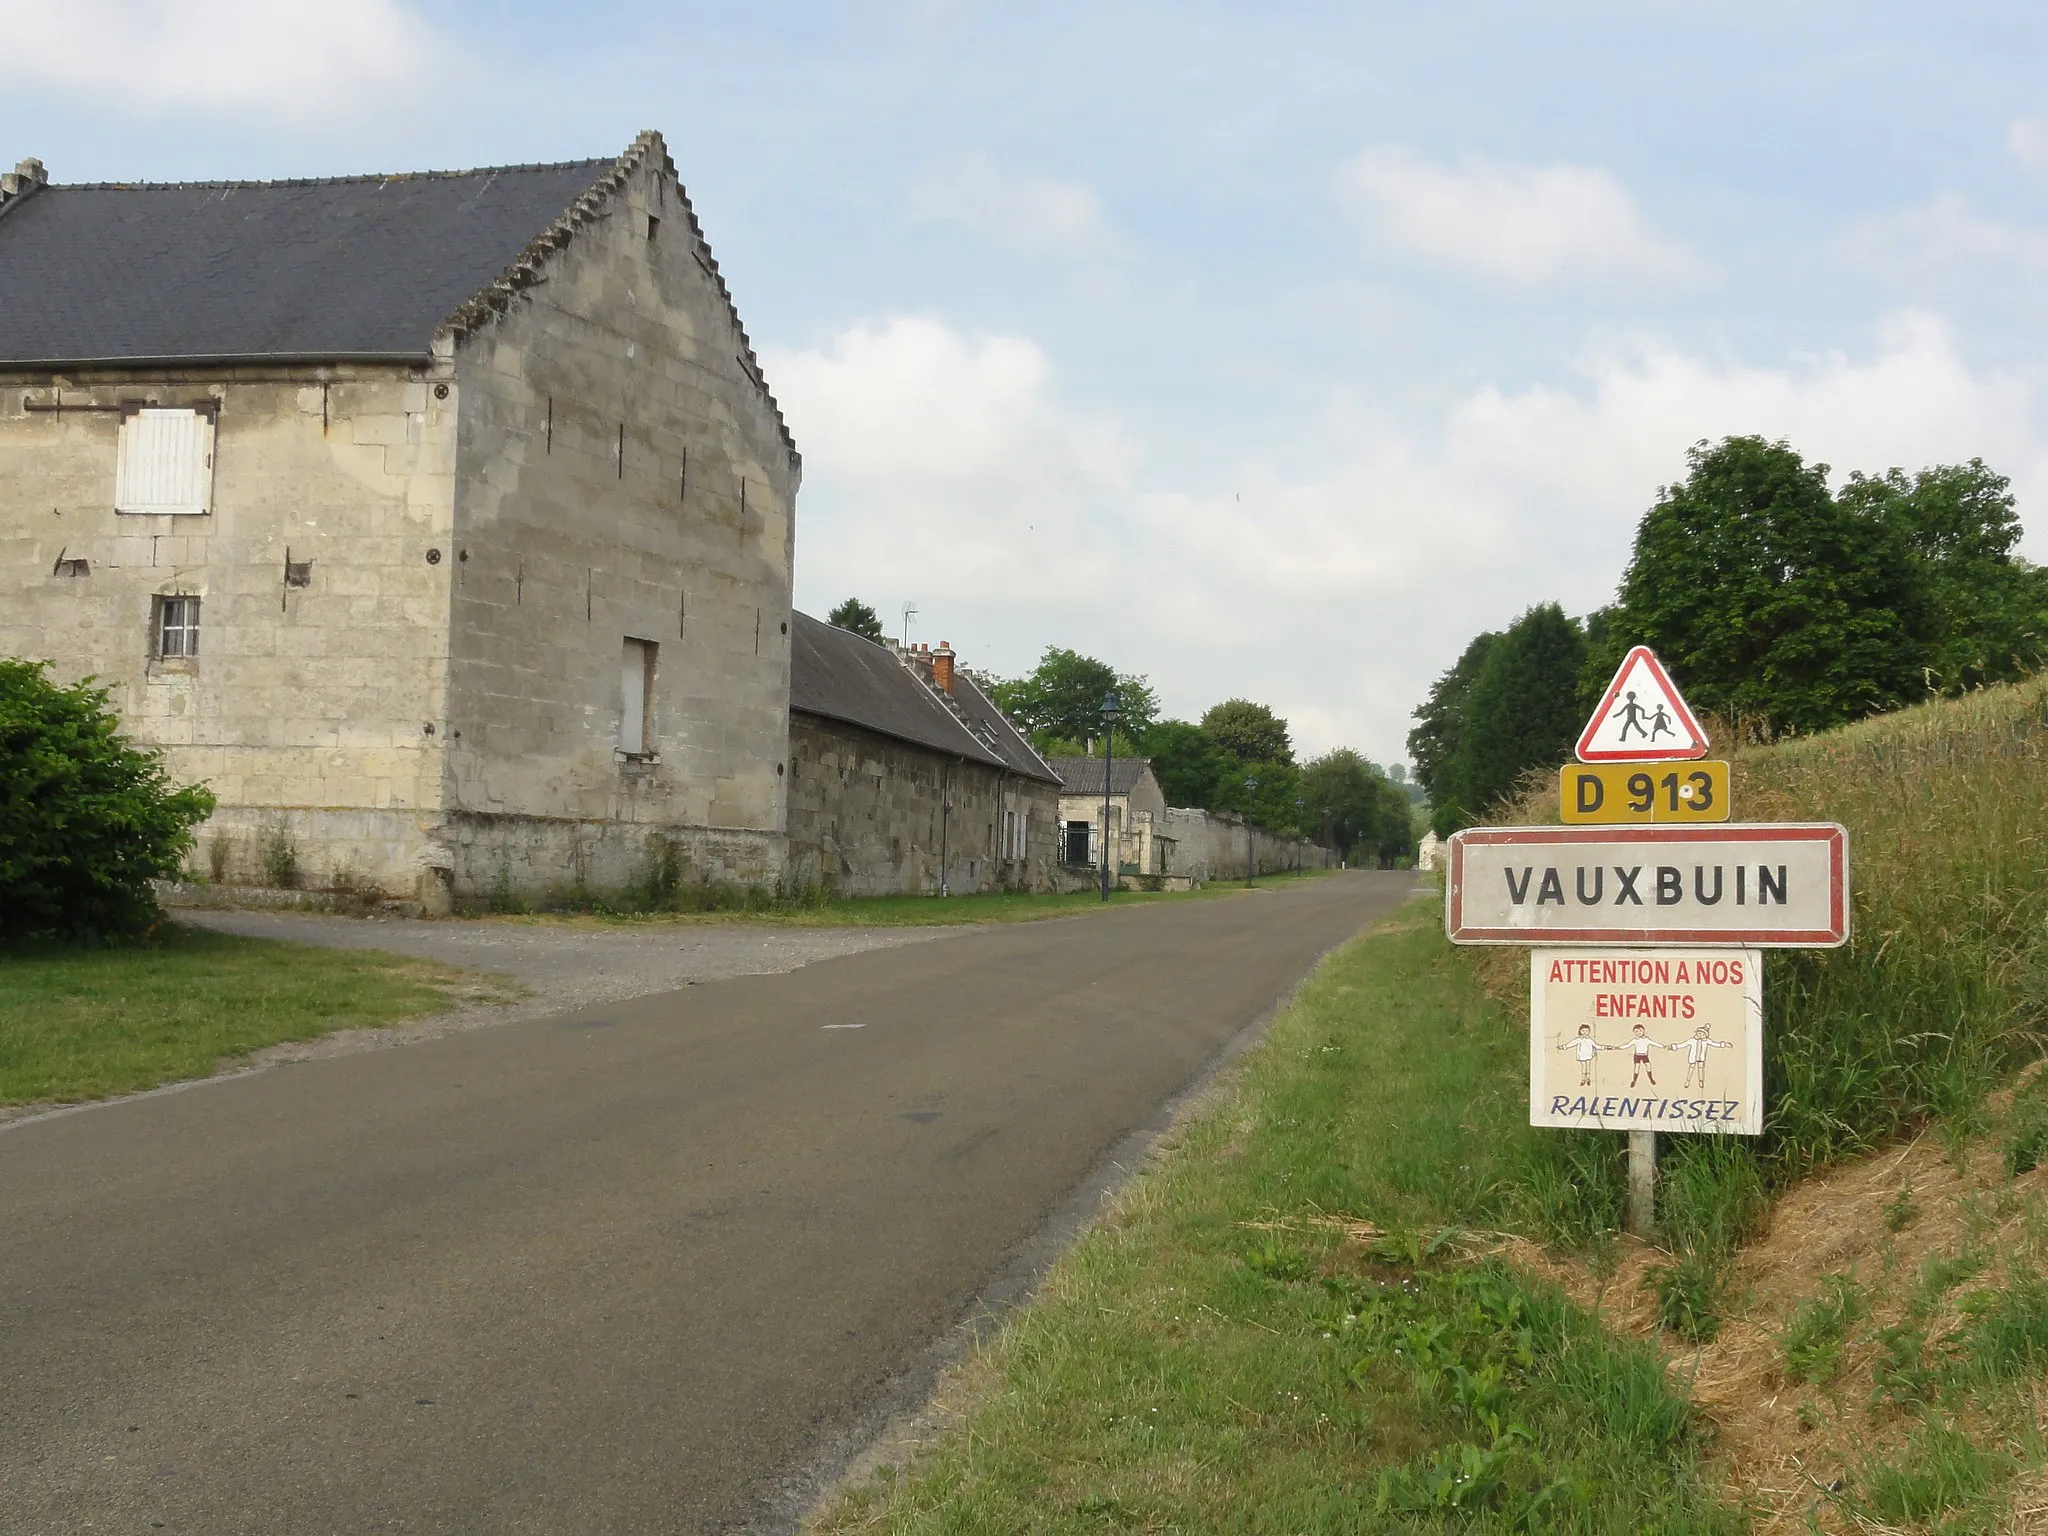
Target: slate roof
<point>837,675</point>
<point>351,269</point>
<point>1083,775</point>
<point>361,267</point>
<point>994,728</point>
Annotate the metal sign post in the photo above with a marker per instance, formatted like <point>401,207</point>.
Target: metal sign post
<point>1659,1028</point>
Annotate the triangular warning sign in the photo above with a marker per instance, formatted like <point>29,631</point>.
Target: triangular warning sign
<point>1641,719</point>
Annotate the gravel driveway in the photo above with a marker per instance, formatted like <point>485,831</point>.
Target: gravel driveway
<point>559,966</point>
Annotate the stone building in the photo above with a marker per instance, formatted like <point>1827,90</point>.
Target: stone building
<point>905,778</point>
<point>1137,815</point>
<point>441,523</point>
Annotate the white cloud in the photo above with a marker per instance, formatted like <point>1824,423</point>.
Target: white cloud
<point>1942,234</point>
<point>1527,225</point>
<point>1019,212</point>
<point>232,56</point>
<point>2026,140</point>
<point>1341,570</point>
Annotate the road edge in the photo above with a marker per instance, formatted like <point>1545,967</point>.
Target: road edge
<point>906,1411</point>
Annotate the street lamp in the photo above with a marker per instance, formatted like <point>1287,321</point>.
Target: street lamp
<point>1300,810</point>
<point>1251,862</point>
<point>1110,711</point>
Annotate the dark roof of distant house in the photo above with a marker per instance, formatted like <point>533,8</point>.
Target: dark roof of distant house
<point>994,727</point>
<point>836,674</point>
<point>1083,775</point>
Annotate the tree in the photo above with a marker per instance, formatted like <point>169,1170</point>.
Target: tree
<point>858,618</point>
<point>1062,698</point>
<point>1522,711</point>
<point>1771,601</point>
<point>1249,731</point>
<point>1393,824</point>
<point>1439,724</point>
<point>1346,801</point>
<point>1185,760</point>
<point>86,820</point>
<point>1983,610</point>
<point>1271,804</point>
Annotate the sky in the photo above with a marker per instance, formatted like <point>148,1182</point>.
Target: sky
<point>1268,351</point>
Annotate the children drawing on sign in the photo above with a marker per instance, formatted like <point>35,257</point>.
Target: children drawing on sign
<point>1660,724</point>
<point>1585,1047</point>
<point>1639,1046</point>
<point>1631,716</point>
<point>1696,1054</point>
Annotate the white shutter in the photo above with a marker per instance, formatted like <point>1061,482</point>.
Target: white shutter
<point>164,463</point>
<point>634,667</point>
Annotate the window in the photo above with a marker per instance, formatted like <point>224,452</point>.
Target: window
<point>1080,843</point>
<point>177,627</point>
<point>164,462</point>
<point>1009,834</point>
<point>636,690</point>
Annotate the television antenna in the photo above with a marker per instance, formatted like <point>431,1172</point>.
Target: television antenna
<point>909,613</point>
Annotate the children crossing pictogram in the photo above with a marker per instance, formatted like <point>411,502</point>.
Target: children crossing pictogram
<point>1642,718</point>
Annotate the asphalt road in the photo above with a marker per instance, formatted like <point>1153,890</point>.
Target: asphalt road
<point>644,1267</point>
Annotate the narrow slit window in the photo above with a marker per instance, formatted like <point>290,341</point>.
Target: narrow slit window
<point>177,627</point>
<point>163,463</point>
<point>636,692</point>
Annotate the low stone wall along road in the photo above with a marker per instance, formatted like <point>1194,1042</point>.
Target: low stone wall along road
<point>650,1265</point>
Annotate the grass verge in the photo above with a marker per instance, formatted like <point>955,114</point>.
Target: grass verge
<point>1265,1336</point>
<point>81,1024</point>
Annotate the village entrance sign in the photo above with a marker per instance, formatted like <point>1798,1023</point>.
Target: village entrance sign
<point>1683,902</point>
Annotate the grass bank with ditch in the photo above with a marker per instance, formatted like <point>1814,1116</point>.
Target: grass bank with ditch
<point>81,1024</point>
<point>1846,1326</point>
<point>1266,1336</point>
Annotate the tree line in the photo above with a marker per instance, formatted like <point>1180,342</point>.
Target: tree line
<point>1778,605</point>
<point>1238,757</point>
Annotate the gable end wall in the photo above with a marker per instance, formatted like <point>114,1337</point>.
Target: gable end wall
<point>622,475</point>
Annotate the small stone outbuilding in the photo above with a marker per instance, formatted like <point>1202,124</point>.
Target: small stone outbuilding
<point>905,778</point>
<point>1137,815</point>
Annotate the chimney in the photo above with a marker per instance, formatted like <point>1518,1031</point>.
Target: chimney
<point>26,176</point>
<point>942,666</point>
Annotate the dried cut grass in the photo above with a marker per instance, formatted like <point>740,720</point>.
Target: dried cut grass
<point>1787,1448</point>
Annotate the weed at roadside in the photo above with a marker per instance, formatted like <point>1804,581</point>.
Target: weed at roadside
<point>1819,1326</point>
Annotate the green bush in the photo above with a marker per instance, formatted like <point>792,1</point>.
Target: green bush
<point>86,820</point>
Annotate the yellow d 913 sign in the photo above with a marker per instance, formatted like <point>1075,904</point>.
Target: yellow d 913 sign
<point>1610,794</point>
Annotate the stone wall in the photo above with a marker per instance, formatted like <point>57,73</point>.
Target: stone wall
<point>622,475</point>
<point>316,713</point>
<point>1210,845</point>
<point>866,818</point>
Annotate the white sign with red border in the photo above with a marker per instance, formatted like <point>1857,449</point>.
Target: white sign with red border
<point>1757,883</point>
<point>1642,717</point>
<point>1647,1040</point>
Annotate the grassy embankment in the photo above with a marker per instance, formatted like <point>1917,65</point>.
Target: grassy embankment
<point>1847,1327</point>
<point>81,1024</point>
